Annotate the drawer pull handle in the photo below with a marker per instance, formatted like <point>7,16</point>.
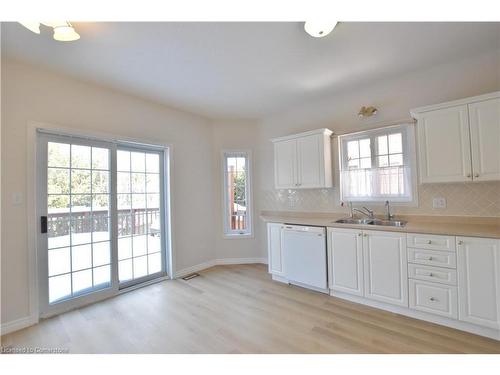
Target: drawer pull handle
<point>429,258</point>
<point>429,242</point>
<point>460,242</point>
<point>432,299</point>
<point>431,274</point>
<point>360,234</point>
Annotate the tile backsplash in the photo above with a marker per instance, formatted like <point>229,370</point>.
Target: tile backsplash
<point>462,199</point>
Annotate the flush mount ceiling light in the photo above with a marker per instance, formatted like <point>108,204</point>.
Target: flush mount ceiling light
<point>367,111</point>
<point>319,29</point>
<point>63,30</point>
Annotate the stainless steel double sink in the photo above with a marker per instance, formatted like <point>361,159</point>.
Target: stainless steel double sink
<point>368,221</point>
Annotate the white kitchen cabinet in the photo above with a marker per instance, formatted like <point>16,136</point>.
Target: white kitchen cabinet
<point>274,247</point>
<point>484,118</point>
<point>285,164</point>
<point>444,145</point>
<point>385,267</point>
<point>345,249</point>
<point>370,264</point>
<point>433,298</point>
<point>459,141</point>
<point>479,281</point>
<point>303,160</point>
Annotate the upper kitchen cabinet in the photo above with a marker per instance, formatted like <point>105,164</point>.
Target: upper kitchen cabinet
<point>459,141</point>
<point>303,161</point>
<point>484,121</point>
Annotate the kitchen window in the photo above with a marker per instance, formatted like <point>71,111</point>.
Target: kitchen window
<point>378,165</point>
<point>236,193</point>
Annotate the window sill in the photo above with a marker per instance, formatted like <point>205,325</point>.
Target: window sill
<point>237,236</point>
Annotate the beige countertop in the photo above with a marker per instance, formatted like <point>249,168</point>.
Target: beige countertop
<point>488,227</point>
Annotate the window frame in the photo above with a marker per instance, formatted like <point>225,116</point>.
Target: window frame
<point>227,232</point>
<point>409,159</point>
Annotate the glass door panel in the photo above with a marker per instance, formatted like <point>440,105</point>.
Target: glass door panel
<point>139,215</point>
<point>78,220</point>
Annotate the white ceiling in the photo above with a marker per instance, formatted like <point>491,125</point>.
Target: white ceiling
<point>246,70</point>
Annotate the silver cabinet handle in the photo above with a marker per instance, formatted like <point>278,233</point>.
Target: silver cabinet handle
<point>432,299</point>
<point>469,175</point>
<point>429,258</point>
<point>365,235</point>
<point>431,274</point>
<point>460,242</point>
<point>360,234</point>
<point>429,242</point>
<point>476,175</point>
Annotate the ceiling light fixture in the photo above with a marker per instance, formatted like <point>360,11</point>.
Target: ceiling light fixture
<point>65,33</point>
<point>367,111</point>
<point>319,29</point>
<point>63,30</point>
<point>32,26</point>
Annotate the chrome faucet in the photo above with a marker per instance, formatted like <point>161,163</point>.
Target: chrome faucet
<point>349,204</point>
<point>366,211</point>
<point>388,208</point>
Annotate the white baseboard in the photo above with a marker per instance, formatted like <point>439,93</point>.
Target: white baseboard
<point>241,261</point>
<point>225,261</point>
<point>17,324</point>
<point>198,267</point>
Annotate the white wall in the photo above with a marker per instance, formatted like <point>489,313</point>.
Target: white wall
<point>394,99</point>
<point>33,94</point>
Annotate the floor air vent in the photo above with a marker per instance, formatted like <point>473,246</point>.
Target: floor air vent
<point>191,276</point>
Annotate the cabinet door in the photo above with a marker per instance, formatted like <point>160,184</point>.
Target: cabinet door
<point>485,139</point>
<point>310,162</point>
<point>274,248</point>
<point>285,164</point>
<point>345,253</point>
<point>479,281</point>
<point>385,268</point>
<point>444,145</point>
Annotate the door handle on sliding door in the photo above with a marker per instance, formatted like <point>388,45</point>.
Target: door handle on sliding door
<point>43,224</point>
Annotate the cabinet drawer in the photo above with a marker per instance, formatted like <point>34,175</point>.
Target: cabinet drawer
<point>434,274</point>
<point>434,298</point>
<point>430,241</point>
<point>432,258</point>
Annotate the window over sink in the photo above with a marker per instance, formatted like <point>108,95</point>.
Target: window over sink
<point>378,165</point>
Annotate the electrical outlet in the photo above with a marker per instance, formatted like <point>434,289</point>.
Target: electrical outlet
<point>439,202</point>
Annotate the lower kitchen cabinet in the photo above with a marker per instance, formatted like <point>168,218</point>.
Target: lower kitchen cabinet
<point>345,248</point>
<point>434,298</point>
<point>371,264</point>
<point>478,265</point>
<point>275,256</point>
<point>385,267</point>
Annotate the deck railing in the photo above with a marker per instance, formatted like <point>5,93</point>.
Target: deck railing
<point>133,221</point>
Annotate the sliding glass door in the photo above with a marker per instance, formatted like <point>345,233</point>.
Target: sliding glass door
<point>140,222</point>
<point>102,227</point>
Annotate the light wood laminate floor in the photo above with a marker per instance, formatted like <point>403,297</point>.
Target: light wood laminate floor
<point>239,309</point>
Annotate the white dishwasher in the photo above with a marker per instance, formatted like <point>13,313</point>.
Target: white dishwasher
<point>304,255</point>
